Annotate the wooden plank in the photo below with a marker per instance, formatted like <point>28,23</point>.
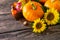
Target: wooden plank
<point>10,29</point>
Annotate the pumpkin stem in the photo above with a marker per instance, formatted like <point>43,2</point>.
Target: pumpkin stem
<point>33,6</point>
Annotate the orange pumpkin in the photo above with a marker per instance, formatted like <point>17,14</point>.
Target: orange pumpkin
<point>13,9</point>
<point>53,4</point>
<point>13,12</point>
<point>57,5</point>
<point>32,10</point>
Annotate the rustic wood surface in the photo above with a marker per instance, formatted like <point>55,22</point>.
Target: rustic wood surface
<point>10,29</point>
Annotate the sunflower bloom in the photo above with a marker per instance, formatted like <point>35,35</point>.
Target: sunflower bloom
<point>51,16</point>
<point>39,26</point>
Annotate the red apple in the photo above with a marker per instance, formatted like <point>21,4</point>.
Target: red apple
<point>19,6</point>
<point>16,11</point>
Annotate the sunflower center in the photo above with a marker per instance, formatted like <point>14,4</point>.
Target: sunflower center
<point>38,25</point>
<point>50,16</point>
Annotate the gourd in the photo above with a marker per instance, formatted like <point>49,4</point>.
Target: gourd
<point>32,10</point>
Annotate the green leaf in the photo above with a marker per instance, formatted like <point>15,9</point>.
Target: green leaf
<point>44,8</point>
<point>31,23</point>
<point>36,0</point>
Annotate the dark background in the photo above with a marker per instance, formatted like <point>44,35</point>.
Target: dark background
<point>10,29</point>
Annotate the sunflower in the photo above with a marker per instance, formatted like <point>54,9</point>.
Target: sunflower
<point>51,16</point>
<point>38,26</point>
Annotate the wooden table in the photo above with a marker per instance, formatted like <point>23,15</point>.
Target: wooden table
<point>10,29</point>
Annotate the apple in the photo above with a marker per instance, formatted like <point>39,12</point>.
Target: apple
<point>16,10</point>
<point>19,6</point>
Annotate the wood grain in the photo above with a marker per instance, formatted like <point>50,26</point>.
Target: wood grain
<point>10,29</point>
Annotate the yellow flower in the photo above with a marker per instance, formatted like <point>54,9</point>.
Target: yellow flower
<point>39,26</point>
<point>51,16</point>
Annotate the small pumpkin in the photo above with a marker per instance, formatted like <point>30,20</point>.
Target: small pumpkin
<point>53,4</point>
<point>32,10</point>
<point>13,9</point>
